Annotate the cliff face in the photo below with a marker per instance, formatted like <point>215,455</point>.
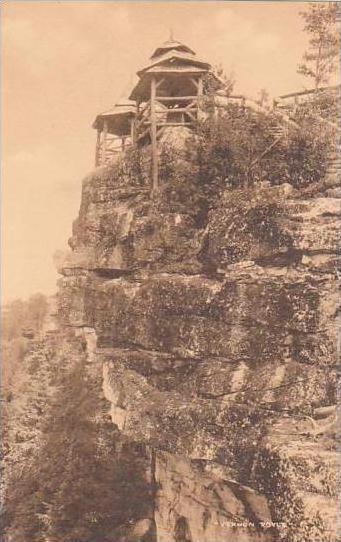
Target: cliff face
<point>218,345</point>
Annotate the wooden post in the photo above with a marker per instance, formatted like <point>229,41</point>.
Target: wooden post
<point>153,120</point>
<point>137,122</point>
<point>200,87</point>
<point>98,148</point>
<point>132,131</point>
<point>104,142</point>
<point>200,95</point>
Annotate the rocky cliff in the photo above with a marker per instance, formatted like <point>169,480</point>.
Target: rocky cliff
<point>218,345</point>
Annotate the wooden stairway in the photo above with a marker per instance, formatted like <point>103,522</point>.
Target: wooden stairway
<point>331,184</point>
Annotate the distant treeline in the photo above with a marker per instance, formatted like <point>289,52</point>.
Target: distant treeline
<point>67,474</point>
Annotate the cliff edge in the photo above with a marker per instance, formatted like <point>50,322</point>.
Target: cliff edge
<point>218,343</point>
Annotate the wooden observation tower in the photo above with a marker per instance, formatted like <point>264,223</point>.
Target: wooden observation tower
<point>169,93</point>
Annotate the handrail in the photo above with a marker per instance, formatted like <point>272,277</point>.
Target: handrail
<point>176,98</point>
<point>310,91</point>
<point>290,122</point>
<point>173,111</point>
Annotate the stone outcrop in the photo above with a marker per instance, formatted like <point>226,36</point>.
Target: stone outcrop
<point>218,346</point>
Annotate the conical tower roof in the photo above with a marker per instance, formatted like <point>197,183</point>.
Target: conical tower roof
<point>169,60</point>
<point>171,45</point>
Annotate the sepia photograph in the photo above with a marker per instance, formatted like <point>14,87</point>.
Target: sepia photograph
<point>170,239</point>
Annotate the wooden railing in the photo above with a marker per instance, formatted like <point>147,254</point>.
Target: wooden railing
<point>114,146</point>
<point>173,115</point>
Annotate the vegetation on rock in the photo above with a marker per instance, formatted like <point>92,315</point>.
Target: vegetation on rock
<point>66,480</point>
<point>20,321</point>
<point>239,149</point>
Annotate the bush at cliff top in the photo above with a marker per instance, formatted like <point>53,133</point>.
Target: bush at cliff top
<point>231,147</point>
<point>323,104</point>
<point>237,150</point>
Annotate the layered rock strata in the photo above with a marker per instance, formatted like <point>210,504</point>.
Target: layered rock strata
<point>218,346</point>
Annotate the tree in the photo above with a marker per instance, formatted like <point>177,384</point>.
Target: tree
<point>21,320</point>
<point>65,480</point>
<point>320,60</point>
<point>37,307</point>
<point>263,99</point>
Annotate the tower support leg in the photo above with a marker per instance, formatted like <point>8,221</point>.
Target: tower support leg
<point>153,119</point>
<point>104,143</point>
<point>98,148</point>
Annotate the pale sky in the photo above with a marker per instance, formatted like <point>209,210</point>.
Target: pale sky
<point>65,61</point>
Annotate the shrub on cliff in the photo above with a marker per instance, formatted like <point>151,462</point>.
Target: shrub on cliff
<point>130,169</point>
<point>239,149</point>
<point>179,187</point>
<point>228,145</point>
<point>218,156</point>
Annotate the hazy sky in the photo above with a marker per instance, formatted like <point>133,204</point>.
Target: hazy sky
<point>62,62</point>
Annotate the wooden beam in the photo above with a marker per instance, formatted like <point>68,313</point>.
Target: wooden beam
<point>104,142</point>
<point>143,134</point>
<point>159,83</point>
<point>145,111</point>
<point>173,123</point>
<point>141,123</point>
<point>111,152</point>
<point>155,179</point>
<point>98,148</point>
<point>200,97</point>
<point>194,81</point>
<point>161,124</point>
<point>175,110</point>
<point>191,116</point>
<point>132,131</point>
<point>200,87</point>
<point>176,98</point>
<point>160,131</point>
